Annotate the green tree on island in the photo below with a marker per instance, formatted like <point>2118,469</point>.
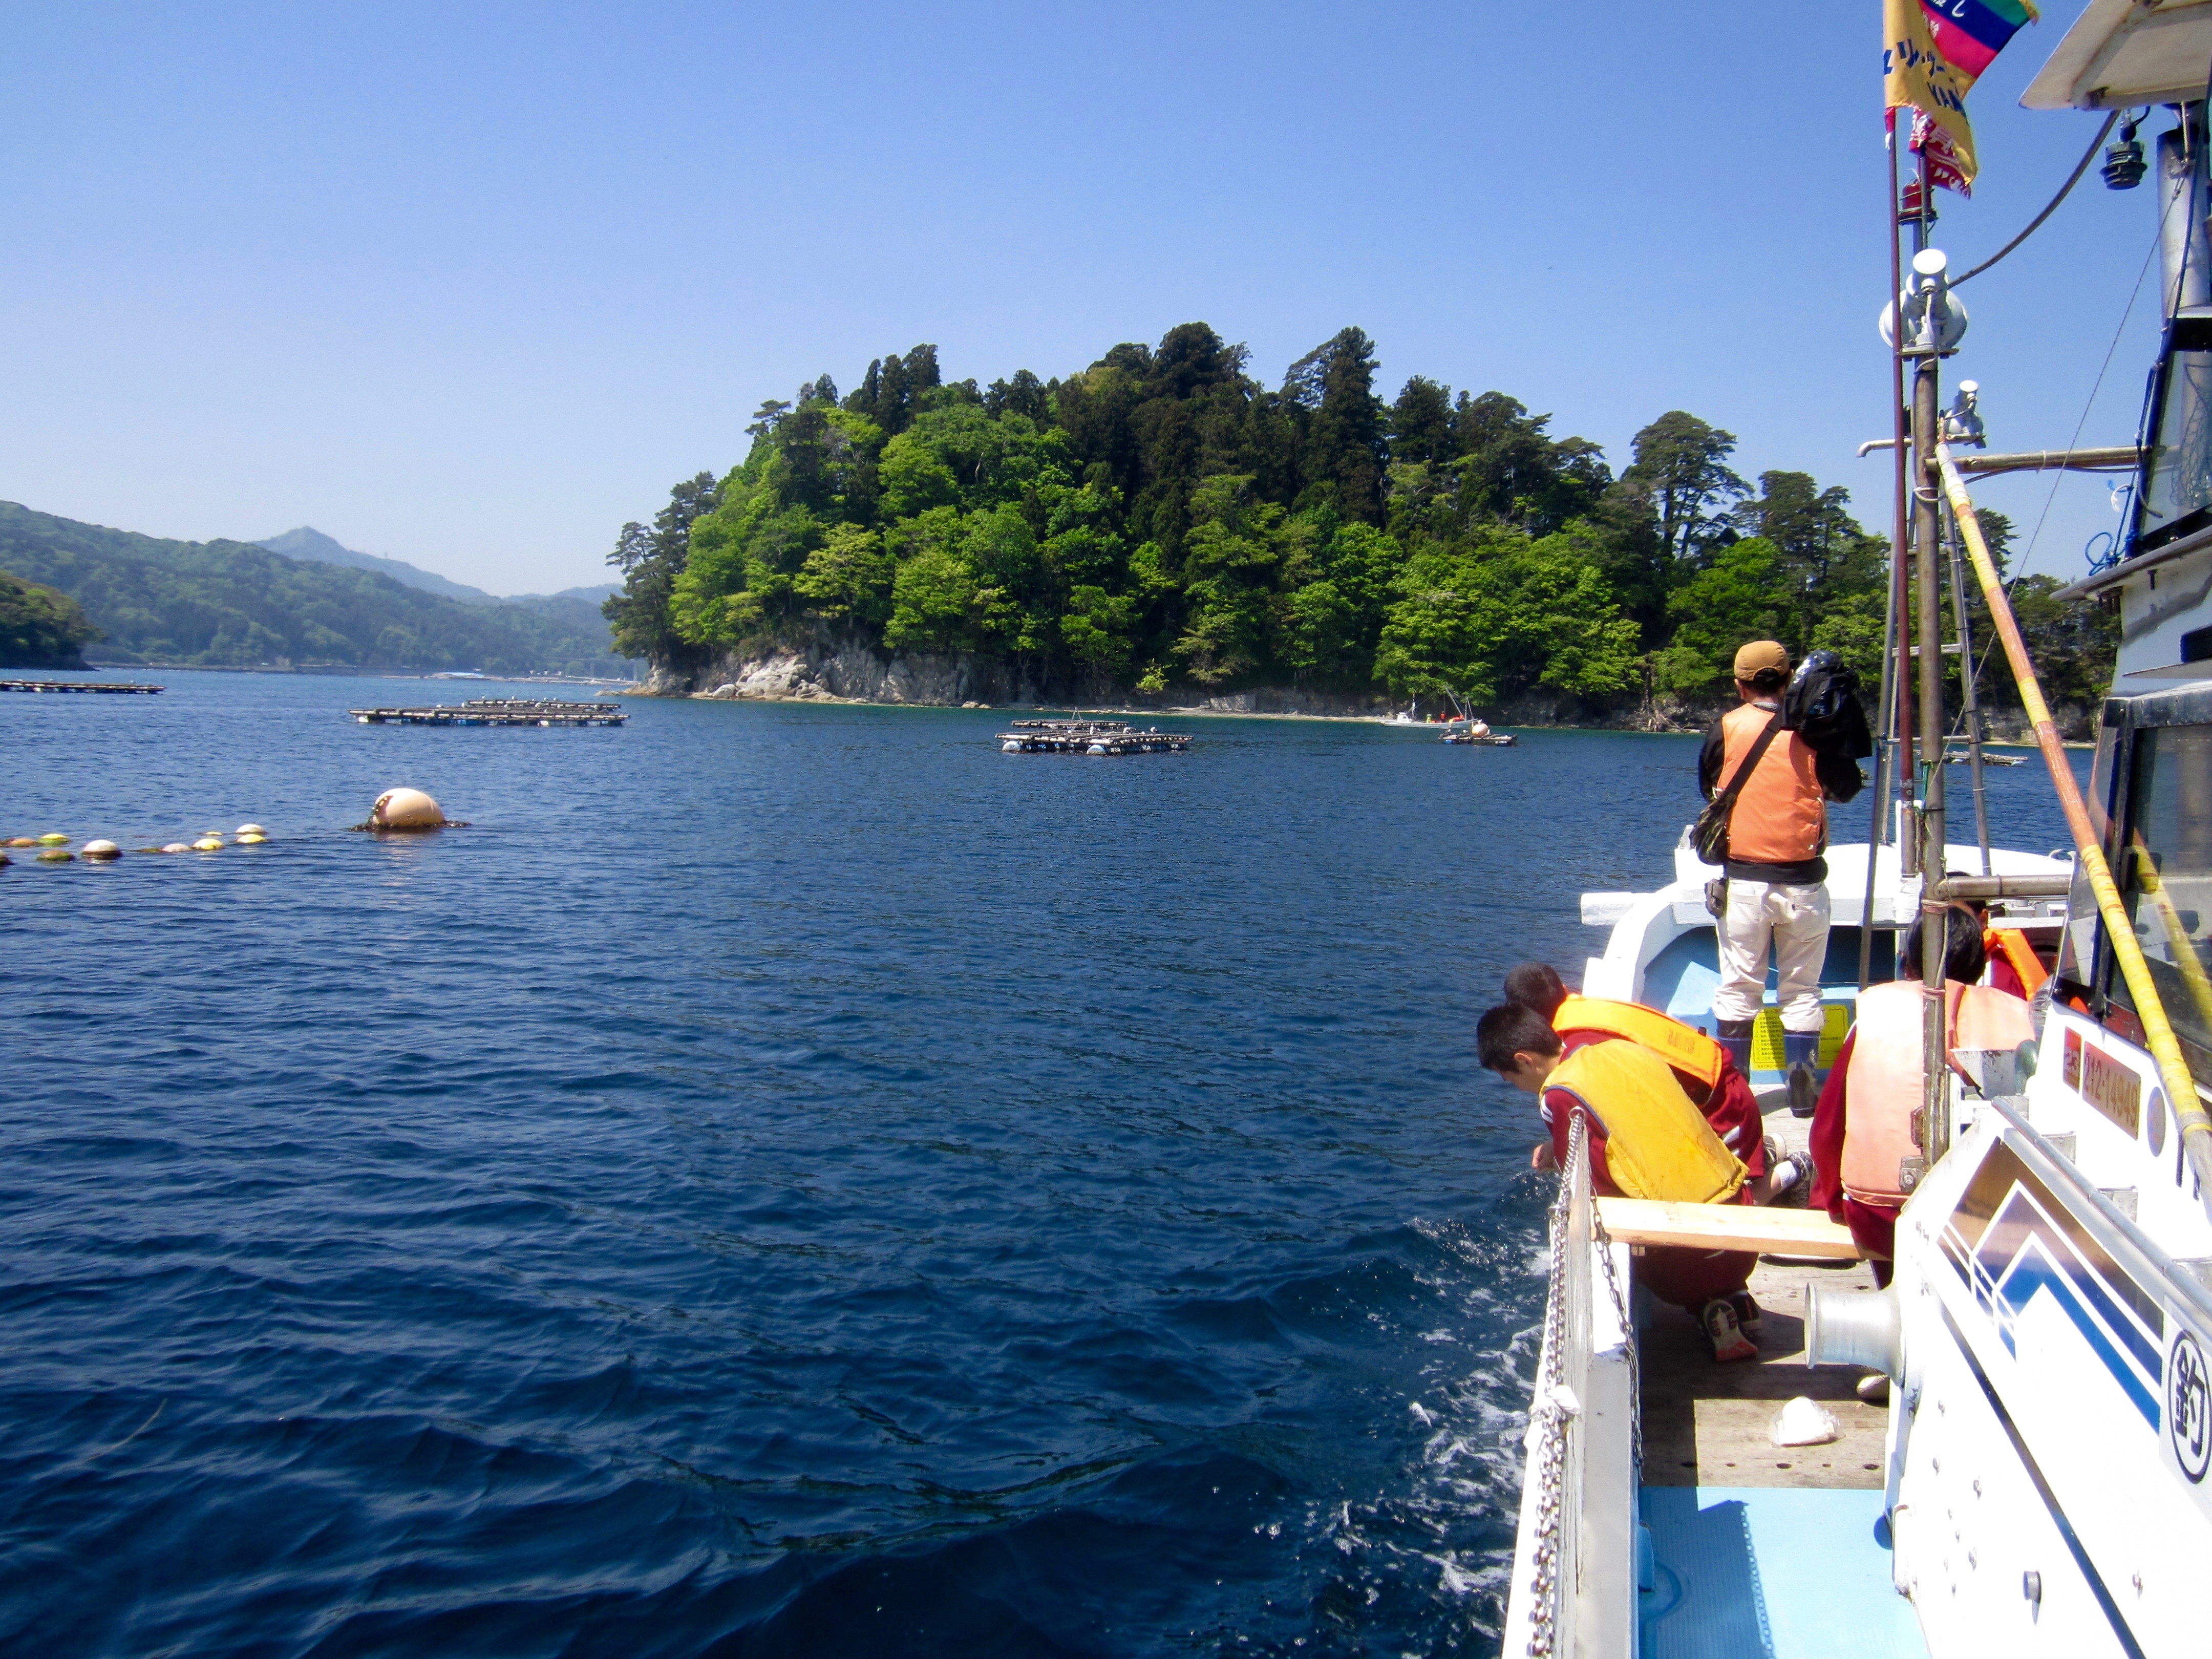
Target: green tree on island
<point>40,628</point>
<point>1163,518</point>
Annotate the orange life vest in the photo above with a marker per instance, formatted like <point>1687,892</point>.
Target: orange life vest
<point>1685,1048</point>
<point>1781,816</point>
<point>1884,1086</point>
<point>1657,1144</point>
<point>2018,951</point>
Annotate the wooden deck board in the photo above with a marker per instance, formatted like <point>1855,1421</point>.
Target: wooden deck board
<point>1706,1424</point>
<point>1725,1226</point>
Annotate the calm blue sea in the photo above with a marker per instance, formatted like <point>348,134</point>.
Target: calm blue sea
<point>785,1181</point>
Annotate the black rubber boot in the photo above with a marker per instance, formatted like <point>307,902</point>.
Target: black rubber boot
<point>1802,1054</point>
<point>1734,1036</point>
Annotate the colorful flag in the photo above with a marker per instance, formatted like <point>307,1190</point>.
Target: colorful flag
<point>1932,53</point>
<point>1947,169</point>
<point>1970,33</point>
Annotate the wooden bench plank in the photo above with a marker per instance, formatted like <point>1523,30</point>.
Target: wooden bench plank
<point>1726,1227</point>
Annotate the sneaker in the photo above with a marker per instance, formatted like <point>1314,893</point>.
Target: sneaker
<point>1804,1091</point>
<point>1749,1319</point>
<point>1718,1317</point>
<point>1797,1192</point>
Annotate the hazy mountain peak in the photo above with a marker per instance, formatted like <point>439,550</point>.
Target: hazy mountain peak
<point>310,544</point>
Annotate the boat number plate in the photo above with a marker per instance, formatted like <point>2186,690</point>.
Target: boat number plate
<point>2105,1082</point>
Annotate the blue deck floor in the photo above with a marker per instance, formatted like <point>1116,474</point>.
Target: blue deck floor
<point>1772,1573</point>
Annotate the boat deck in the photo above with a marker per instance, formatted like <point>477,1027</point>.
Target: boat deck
<point>1760,1549</point>
<point>1745,1572</point>
<point>1705,1424</point>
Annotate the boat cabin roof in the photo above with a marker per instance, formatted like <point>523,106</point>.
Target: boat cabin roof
<point>2124,53</point>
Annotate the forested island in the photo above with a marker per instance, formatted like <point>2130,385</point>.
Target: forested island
<point>40,628</point>
<point>1162,527</point>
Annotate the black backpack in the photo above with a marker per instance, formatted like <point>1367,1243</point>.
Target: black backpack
<point>1822,707</point>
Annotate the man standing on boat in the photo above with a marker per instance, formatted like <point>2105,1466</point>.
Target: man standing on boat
<point>1775,879</point>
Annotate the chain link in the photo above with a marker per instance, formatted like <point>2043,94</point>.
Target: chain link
<point>1551,1421</point>
<point>1548,1423</point>
<point>1620,1306</point>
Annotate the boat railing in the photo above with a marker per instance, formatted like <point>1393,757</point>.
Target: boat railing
<point>1573,1589</point>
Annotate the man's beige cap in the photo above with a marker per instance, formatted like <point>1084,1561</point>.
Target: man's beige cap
<point>1760,656</point>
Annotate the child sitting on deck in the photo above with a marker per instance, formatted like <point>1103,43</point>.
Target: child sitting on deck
<point>1705,1069</point>
<point>1646,1139</point>
<point>1862,1126</point>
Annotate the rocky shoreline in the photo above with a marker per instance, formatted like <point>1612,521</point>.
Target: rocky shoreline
<point>830,668</point>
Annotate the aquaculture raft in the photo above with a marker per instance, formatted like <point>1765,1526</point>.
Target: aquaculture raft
<point>1087,737</point>
<point>497,711</point>
<point>77,686</point>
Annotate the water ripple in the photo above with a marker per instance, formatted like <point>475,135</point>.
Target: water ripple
<point>788,1180</point>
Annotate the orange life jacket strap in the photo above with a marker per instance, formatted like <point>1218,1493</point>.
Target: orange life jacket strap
<point>1682,1047</point>
<point>2019,952</point>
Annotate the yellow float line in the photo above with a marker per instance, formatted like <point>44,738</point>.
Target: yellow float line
<point>2158,1031</point>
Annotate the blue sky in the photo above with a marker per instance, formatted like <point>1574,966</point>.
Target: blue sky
<point>470,285</point>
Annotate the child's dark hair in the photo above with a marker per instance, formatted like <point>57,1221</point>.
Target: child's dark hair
<point>1511,1028</point>
<point>1535,985</point>
<point>1964,955</point>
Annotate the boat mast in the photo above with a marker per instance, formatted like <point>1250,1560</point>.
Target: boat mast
<point>1887,771</point>
<point>1927,531</point>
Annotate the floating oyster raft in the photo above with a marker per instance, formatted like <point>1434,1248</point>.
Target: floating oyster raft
<point>496,711</point>
<point>1087,737</point>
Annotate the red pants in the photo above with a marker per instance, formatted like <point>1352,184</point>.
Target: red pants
<point>1873,1230</point>
<point>1690,1278</point>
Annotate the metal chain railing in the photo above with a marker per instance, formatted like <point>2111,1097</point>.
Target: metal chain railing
<point>1604,1243</point>
<point>1549,1420</point>
<point>1555,1415</point>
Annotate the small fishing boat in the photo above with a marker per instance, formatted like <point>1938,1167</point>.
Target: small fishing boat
<point>2009,1448</point>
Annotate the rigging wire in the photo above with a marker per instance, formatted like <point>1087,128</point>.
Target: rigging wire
<point>2064,190</point>
<point>2058,476</point>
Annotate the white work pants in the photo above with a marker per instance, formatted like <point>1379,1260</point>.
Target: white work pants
<point>1795,920</point>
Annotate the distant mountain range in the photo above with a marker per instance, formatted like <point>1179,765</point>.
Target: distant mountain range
<point>225,604</point>
<point>310,544</point>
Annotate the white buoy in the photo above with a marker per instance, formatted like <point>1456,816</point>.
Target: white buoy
<point>102,849</point>
<point>176,847</point>
<point>406,809</point>
<point>251,830</point>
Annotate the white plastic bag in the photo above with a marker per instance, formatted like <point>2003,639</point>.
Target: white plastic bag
<point>1803,1422</point>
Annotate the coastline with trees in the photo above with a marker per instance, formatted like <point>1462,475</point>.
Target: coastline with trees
<point>1161,528</point>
